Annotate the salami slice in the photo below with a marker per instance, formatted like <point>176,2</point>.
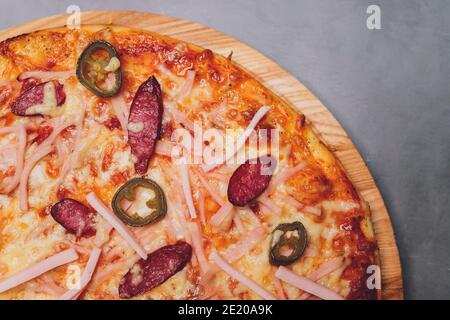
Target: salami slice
<point>144,123</point>
<point>34,95</point>
<point>250,180</point>
<point>159,266</point>
<point>75,217</point>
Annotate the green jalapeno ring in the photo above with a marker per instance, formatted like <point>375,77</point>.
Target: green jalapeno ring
<point>296,243</point>
<point>89,83</point>
<point>127,191</point>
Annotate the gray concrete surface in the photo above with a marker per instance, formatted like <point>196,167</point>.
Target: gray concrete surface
<point>389,88</point>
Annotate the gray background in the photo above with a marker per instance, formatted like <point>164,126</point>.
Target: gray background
<point>390,89</point>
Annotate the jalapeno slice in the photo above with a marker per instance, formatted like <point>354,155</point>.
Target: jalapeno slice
<point>139,202</point>
<point>98,69</point>
<point>288,243</point>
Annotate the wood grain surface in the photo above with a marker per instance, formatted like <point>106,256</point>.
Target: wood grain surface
<point>285,86</point>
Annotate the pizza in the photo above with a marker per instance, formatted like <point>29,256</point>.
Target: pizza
<point>137,166</point>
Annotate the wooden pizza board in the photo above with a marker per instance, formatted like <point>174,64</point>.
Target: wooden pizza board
<point>284,85</point>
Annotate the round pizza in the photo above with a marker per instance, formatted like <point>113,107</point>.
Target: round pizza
<point>136,166</point>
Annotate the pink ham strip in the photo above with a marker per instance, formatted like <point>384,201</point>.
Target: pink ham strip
<point>46,75</point>
<point>73,157</point>
<point>218,176</point>
<point>283,176</point>
<point>178,116</point>
<point>201,210</point>
<point>75,150</point>
<point>29,165</point>
<point>120,109</point>
<point>55,133</point>
<point>184,171</point>
<point>237,275</point>
<point>173,200</point>
<point>306,284</point>
<point>279,288</point>
<point>164,148</point>
<point>12,129</point>
<point>197,243</point>
<point>21,145</point>
<point>216,116</point>
<point>265,200</point>
<point>313,210</point>
<point>236,252</point>
<point>38,269</point>
<point>60,151</point>
<point>244,246</point>
<point>186,89</point>
<point>322,271</point>
<point>221,215</point>
<point>238,223</point>
<point>290,200</point>
<point>7,130</point>
<point>170,231</point>
<point>85,277</point>
<point>310,251</point>
<point>214,194</point>
<point>265,210</point>
<point>112,219</point>
<point>242,139</point>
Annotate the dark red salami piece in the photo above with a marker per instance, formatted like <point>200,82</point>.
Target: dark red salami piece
<point>27,84</point>
<point>75,217</point>
<point>250,180</point>
<point>159,266</point>
<point>144,123</point>
<point>34,95</point>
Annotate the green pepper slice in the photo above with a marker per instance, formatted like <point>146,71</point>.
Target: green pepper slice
<point>287,244</point>
<point>97,67</point>
<point>155,202</point>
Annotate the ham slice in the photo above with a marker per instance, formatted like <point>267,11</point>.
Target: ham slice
<point>186,89</point>
<point>313,210</point>
<point>283,176</point>
<point>290,200</point>
<point>29,165</point>
<point>46,75</point>
<point>238,223</point>
<point>85,277</point>
<point>237,275</point>
<point>244,246</point>
<point>214,194</point>
<point>20,155</point>
<point>242,139</point>
<point>236,252</point>
<point>178,116</point>
<point>197,243</point>
<point>201,201</point>
<point>266,201</point>
<point>222,214</point>
<point>184,170</point>
<point>113,220</point>
<point>38,269</point>
<point>306,284</point>
<point>164,148</point>
<point>121,111</point>
<point>322,271</point>
<point>73,157</point>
